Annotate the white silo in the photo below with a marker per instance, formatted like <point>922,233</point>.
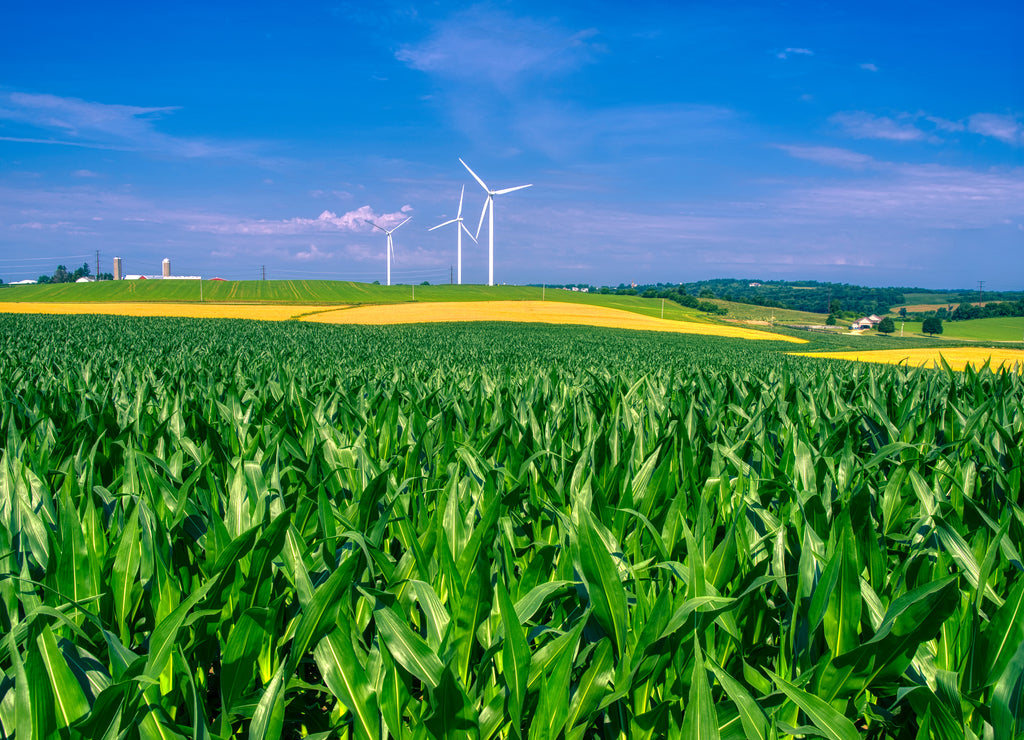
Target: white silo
<point>167,268</point>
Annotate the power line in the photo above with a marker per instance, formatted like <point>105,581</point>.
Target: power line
<point>63,258</point>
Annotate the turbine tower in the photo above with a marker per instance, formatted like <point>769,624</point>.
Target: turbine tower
<point>390,253</point>
<point>459,229</point>
<point>489,206</point>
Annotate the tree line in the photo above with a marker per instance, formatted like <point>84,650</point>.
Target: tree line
<point>63,275</point>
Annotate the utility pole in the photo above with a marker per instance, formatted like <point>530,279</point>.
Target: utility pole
<point>264,272</point>
<point>981,284</point>
<point>97,265</point>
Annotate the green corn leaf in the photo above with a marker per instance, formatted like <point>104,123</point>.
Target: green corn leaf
<point>69,698</point>
<point>591,688</point>
<point>454,715</point>
<point>842,615</point>
<point>408,648</point>
<point>827,720</point>
<point>700,720</point>
<point>755,723</point>
<point>241,652</point>
<point>165,635</point>
<point>604,587</point>
<point>1007,703</point>
<point>22,692</point>
<point>1001,637</point>
<point>268,719</point>
<point>515,658</point>
<point>346,678</point>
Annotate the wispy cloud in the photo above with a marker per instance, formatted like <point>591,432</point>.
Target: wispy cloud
<point>833,156</point>
<point>494,47</point>
<point>930,196</point>
<point>945,125</point>
<point>863,125</point>
<point>561,130</point>
<point>355,221</point>
<point>312,254</point>
<point>51,119</point>
<point>1005,128</point>
<point>794,51</point>
<point>923,127</point>
<point>869,67</point>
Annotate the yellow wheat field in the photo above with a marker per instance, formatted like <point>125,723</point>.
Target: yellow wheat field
<point>956,357</point>
<point>529,311</point>
<point>262,312</point>
<point>406,313</point>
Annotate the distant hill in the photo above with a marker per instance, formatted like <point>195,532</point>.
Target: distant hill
<point>804,295</point>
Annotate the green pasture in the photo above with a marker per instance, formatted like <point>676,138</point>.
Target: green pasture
<point>1002,329</point>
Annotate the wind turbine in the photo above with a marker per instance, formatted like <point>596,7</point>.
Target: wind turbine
<point>489,206</point>
<point>391,247</point>
<point>459,229</point>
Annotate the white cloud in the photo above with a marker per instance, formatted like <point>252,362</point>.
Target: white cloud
<point>790,51</point>
<point>932,196</point>
<point>943,124</point>
<point>489,46</point>
<point>1005,128</point>
<point>833,156</point>
<point>51,119</point>
<point>327,221</point>
<point>863,125</point>
<point>313,254</point>
<point>869,67</point>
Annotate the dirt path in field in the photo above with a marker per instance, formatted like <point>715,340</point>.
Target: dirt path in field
<point>547,312</point>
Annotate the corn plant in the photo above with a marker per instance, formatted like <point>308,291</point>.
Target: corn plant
<point>226,529</point>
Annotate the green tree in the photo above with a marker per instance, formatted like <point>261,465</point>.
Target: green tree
<point>886,326</point>
<point>831,320</point>
<point>932,325</point>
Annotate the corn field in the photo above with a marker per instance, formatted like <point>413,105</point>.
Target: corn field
<point>221,529</point>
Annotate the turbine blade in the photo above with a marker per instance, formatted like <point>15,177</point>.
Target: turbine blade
<point>444,224</point>
<point>482,214</point>
<point>475,176</point>
<point>459,214</point>
<point>402,224</point>
<point>510,190</point>
<point>468,232</point>
<point>375,225</point>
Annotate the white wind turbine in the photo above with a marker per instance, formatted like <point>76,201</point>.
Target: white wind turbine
<point>489,206</point>
<point>459,229</point>
<point>391,247</point>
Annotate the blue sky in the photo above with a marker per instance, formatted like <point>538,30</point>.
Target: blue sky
<point>872,143</point>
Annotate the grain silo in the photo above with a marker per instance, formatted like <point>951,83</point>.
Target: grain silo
<point>167,268</point>
<point>118,269</point>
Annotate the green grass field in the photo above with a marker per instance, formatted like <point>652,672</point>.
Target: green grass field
<point>1005,329</point>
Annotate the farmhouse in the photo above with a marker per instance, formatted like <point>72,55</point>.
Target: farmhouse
<point>868,322</point>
